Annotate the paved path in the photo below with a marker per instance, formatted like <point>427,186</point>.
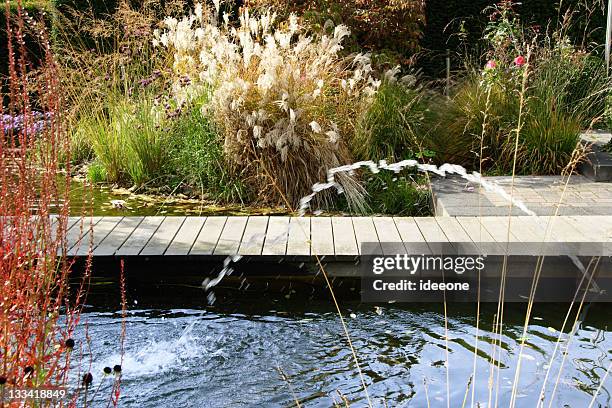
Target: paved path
<point>329,236</point>
<point>455,197</point>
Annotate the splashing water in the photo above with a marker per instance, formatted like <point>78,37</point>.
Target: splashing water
<point>159,356</point>
<point>207,284</point>
<point>443,170</point>
<point>229,355</point>
<point>375,168</point>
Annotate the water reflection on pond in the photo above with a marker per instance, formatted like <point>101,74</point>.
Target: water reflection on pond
<point>182,352</point>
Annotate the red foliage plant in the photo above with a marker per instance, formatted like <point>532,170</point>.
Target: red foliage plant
<point>37,314</point>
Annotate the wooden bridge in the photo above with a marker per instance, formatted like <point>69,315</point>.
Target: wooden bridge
<point>322,236</point>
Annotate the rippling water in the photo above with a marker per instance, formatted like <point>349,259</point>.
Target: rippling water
<point>236,353</point>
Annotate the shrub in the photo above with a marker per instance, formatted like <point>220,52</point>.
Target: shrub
<point>403,194</point>
<point>547,141</point>
<point>457,134</point>
<point>80,13</point>
<point>128,139</point>
<point>565,90</point>
<point>106,144</point>
<point>393,126</point>
<point>388,193</point>
<point>391,25</point>
<point>197,159</point>
<point>455,24</point>
<point>576,80</point>
<point>608,112</point>
<point>81,148</point>
<point>106,56</point>
<point>284,101</point>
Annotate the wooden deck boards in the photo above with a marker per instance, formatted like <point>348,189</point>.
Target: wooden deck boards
<point>231,236</point>
<point>275,242</point>
<point>112,242</point>
<point>186,236</point>
<point>208,237</point>
<point>325,236</point>
<point>140,236</point>
<point>254,236</point>
<point>163,237</point>
<point>100,231</point>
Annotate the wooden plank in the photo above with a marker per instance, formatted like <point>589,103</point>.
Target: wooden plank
<point>100,231</point>
<point>254,236</point>
<point>546,228</point>
<point>209,236</point>
<point>298,242</point>
<point>388,235</point>
<point>433,234</point>
<point>578,236</point>
<point>322,236</point>
<point>598,232</point>
<point>457,236</point>
<point>140,236</point>
<point>411,235</point>
<point>164,235</point>
<point>109,245</point>
<point>186,236</point>
<point>526,229</point>
<point>365,232</point>
<point>595,228</point>
<point>481,237</point>
<point>562,230</point>
<point>500,230</point>
<point>78,237</point>
<point>231,236</point>
<point>331,236</point>
<point>532,232</point>
<point>70,222</point>
<point>277,236</point>
<point>563,233</point>
<point>345,242</point>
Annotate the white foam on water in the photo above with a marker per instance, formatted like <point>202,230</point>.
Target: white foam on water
<point>158,356</point>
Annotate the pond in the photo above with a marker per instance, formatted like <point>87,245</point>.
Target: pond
<point>85,199</point>
<point>272,348</point>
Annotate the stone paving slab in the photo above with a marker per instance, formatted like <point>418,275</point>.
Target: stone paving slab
<point>544,195</point>
<point>598,163</point>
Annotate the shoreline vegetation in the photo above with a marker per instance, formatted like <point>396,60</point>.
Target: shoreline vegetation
<point>250,106</point>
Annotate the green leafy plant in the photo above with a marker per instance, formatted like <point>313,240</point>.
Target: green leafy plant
<point>393,127</point>
<point>283,101</point>
<point>96,173</point>
<point>403,194</point>
<point>608,112</point>
<point>565,89</point>
<point>128,140</point>
<point>198,162</point>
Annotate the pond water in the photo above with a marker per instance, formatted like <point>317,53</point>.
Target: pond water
<point>270,349</point>
<point>98,199</point>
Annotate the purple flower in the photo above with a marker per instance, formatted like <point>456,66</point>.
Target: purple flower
<point>36,122</point>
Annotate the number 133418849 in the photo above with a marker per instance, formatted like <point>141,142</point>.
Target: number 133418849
<point>8,394</point>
